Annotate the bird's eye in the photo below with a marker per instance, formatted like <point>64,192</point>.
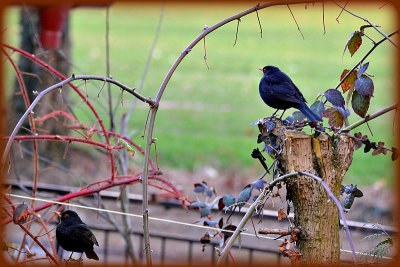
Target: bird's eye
<point>66,216</point>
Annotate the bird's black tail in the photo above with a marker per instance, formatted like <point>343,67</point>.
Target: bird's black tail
<point>311,116</point>
<point>90,254</point>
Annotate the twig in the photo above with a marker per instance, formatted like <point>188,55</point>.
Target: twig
<point>279,231</point>
<point>295,21</point>
<point>369,22</point>
<point>146,68</point>
<point>35,238</point>
<point>53,115</point>
<point>205,52</point>
<point>90,106</point>
<point>205,33</point>
<point>366,122</point>
<point>64,138</point>
<point>366,55</point>
<point>53,258</point>
<point>33,130</point>
<point>368,118</point>
<point>110,109</point>
<point>259,22</point>
<point>47,232</point>
<point>341,11</point>
<point>139,148</point>
<point>237,31</point>
<point>124,201</point>
<point>155,150</point>
<point>145,124</point>
<point>245,218</point>
<point>323,16</point>
<point>144,178</point>
<point>56,86</point>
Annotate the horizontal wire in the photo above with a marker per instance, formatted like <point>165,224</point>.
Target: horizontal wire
<point>165,220</point>
<point>134,215</point>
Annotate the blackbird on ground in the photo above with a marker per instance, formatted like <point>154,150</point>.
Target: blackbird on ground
<point>278,91</point>
<point>73,235</point>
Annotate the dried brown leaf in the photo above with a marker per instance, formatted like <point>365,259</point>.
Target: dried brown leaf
<point>281,214</point>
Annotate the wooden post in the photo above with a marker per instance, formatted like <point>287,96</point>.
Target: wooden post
<point>315,213</point>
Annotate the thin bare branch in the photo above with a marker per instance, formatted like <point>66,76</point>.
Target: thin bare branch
<point>146,68</point>
<point>237,31</point>
<point>205,33</point>
<point>281,232</point>
<point>29,110</point>
<point>144,178</point>
<point>368,118</point>
<point>51,256</point>
<point>366,55</point>
<point>205,52</point>
<point>341,11</point>
<point>323,16</point>
<point>259,22</point>
<point>369,22</point>
<point>107,36</point>
<point>101,89</point>
<point>298,27</point>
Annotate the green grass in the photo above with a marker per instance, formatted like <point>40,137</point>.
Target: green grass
<point>205,115</point>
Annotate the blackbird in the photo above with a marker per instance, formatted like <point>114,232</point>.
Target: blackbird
<point>278,91</point>
<point>73,235</point>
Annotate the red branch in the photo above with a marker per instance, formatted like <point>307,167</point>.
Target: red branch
<point>140,149</point>
<point>81,127</point>
<point>54,114</point>
<point>55,72</point>
<point>27,231</point>
<point>65,139</point>
<point>39,243</point>
<point>125,180</point>
<point>31,121</point>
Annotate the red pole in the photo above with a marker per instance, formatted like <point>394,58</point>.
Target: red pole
<point>52,19</point>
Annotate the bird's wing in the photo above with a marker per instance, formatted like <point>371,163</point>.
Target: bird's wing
<point>281,84</point>
<point>286,91</point>
<point>85,232</point>
<point>299,93</point>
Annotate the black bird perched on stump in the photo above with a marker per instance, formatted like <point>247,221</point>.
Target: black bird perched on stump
<point>278,91</point>
<point>73,235</point>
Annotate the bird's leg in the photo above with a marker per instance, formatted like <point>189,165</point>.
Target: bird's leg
<point>70,256</point>
<point>280,118</point>
<point>274,113</point>
<point>80,258</point>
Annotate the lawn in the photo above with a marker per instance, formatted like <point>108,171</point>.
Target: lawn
<point>205,114</point>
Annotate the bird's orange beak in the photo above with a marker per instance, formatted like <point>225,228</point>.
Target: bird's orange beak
<point>260,69</point>
<point>57,213</point>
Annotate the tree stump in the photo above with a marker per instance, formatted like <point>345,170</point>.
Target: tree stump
<point>315,213</point>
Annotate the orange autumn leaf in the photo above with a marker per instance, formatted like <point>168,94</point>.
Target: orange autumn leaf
<point>349,82</point>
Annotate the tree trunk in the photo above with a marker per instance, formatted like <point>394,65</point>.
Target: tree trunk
<point>37,79</point>
<point>315,213</point>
